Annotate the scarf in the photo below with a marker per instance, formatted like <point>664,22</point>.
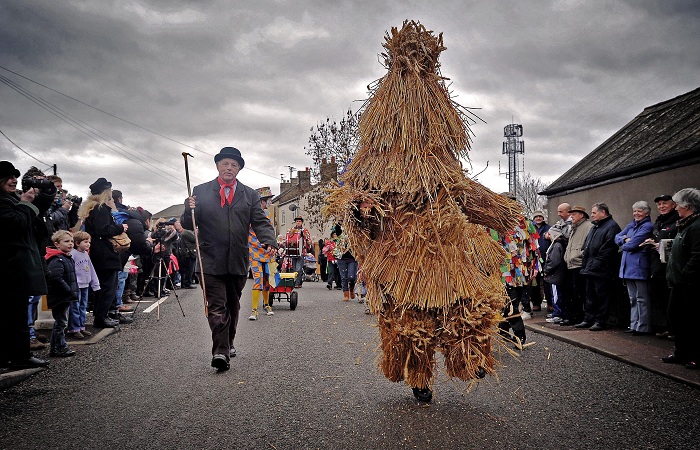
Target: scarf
<point>684,221</point>
<point>222,191</point>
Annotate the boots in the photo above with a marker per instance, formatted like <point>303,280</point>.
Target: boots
<point>346,296</point>
<point>352,294</point>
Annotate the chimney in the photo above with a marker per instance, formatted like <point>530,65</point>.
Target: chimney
<point>329,171</point>
<point>304,177</point>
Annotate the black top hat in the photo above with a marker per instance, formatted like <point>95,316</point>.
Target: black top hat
<point>99,186</point>
<point>7,170</point>
<point>664,197</point>
<point>299,218</point>
<point>230,152</point>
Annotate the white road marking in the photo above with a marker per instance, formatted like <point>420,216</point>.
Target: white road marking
<point>155,305</point>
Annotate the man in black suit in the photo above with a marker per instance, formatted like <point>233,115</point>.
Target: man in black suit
<point>225,210</point>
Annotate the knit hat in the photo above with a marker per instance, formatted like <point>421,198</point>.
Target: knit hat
<point>100,186</point>
<point>537,213</point>
<point>230,152</point>
<point>554,232</point>
<point>7,170</point>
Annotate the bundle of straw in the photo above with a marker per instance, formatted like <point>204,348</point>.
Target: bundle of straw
<point>417,224</point>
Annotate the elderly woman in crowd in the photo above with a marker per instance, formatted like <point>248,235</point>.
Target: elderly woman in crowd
<point>682,273</point>
<point>96,211</point>
<point>635,268</point>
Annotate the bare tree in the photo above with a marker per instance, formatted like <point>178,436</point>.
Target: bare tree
<point>527,194</point>
<point>333,139</point>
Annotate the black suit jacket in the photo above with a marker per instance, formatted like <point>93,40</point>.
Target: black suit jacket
<point>223,231</point>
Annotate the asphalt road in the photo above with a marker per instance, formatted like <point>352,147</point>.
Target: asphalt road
<point>308,379</point>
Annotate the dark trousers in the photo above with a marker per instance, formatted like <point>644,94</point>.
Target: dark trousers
<point>187,265</point>
<point>224,299</point>
<point>540,290</point>
<point>598,291</point>
<point>14,328</point>
<point>576,285</point>
<point>681,313</point>
<point>107,295</point>
<point>60,317</point>
<point>322,263</point>
<point>510,309</point>
<point>660,294</point>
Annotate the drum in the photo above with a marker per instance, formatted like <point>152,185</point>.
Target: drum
<point>293,244</point>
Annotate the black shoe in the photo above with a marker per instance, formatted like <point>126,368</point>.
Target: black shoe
<point>220,363</point>
<point>480,373</point>
<point>423,395</point>
<point>565,323</point>
<point>62,352</point>
<point>329,287</point>
<point>673,359</point>
<point>106,323</point>
<point>191,286</point>
<point>692,365</point>
<point>29,363</point>
<point>597,327</point>
<point>583,324</point>
<point>232,352</point>
<point>125,319</point>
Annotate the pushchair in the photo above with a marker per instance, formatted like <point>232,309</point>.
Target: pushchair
<point>310,269</point>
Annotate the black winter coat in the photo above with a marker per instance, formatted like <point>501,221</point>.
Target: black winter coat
<point>62,219</point>
<point>101,226</point>
<point>21,266</point>
<point>137,233</point>
<point>665,227</point>
<point>223,231</point>
<point>600,252</point>
<point>63,283</point>
<point>554,268</point>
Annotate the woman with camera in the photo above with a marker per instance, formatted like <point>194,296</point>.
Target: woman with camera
<point>21,265</point>
<point>96,212</point>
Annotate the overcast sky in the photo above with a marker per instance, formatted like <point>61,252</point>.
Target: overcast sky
<point>257,75</point>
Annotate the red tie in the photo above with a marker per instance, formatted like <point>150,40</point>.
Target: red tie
<point>222,191</point>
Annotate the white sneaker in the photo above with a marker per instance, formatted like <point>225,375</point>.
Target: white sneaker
<point>556,319</point>
<point>253,316</point>
<point>268,311</point>
<point>525,315</point>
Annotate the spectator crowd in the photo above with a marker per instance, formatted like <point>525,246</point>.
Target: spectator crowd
<point>100,255</point>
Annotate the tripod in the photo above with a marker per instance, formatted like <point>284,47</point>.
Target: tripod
<point>159,274</point>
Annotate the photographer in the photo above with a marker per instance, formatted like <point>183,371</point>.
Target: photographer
<point>162,236</point>
<point>63,214</point>
<point>21,265</point>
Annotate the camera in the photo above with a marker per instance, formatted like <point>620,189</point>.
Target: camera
<point>169,222</point>
<point>39,183</point>
<point>74,198</point>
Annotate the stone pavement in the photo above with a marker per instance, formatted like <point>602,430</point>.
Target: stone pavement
<point>640,351</point>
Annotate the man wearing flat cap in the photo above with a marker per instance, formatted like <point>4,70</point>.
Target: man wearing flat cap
<point>572,306</point>
<point>225,210</point>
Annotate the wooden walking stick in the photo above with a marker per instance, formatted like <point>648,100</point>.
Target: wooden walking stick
<point>196,236</point>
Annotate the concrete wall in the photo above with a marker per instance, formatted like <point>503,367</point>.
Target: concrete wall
<point>621,195</point>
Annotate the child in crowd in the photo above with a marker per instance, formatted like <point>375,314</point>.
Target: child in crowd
<point>63,289</point>
<point>86,277</point>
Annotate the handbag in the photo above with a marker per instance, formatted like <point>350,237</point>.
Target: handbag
<point>120,242</point>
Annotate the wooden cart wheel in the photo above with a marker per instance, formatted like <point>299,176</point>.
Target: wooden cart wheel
<point>293,299</point>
